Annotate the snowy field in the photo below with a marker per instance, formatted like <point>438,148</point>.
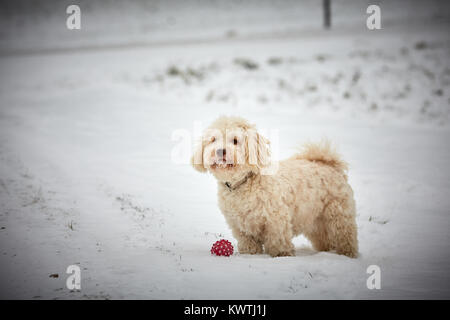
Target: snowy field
<point>86,140</point>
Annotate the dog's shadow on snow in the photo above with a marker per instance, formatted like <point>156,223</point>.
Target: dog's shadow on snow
<point>304,251</point>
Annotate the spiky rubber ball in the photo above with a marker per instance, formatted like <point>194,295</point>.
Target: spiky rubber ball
<point>222,248</point>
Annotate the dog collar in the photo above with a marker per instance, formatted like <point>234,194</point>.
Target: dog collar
<point>238,184</point>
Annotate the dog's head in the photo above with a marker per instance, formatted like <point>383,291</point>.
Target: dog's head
<point>230,149</point>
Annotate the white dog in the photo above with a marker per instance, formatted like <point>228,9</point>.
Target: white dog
<point>308,194</point>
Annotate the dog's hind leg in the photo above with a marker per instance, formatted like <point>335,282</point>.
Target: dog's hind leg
<point>340,225</point>
<point>319,236</point>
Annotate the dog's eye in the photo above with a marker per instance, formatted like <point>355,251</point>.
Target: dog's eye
<point>235,141</point>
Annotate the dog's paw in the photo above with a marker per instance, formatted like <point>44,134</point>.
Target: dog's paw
<point>282,254</point>
<point>278,252</point>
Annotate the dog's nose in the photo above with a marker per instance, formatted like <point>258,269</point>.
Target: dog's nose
<point>221,153</point>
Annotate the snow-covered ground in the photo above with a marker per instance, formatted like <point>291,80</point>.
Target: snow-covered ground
<point>87,120</point>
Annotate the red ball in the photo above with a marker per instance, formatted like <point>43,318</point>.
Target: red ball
<point>222,248</point>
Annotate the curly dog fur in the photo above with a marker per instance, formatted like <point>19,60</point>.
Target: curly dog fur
<point>308,194</point>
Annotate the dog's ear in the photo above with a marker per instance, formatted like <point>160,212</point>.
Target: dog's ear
<point>197,157</point>
<point>263,151</point>
<point>258,149</point>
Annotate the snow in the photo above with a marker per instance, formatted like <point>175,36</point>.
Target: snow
<point>86,143</point>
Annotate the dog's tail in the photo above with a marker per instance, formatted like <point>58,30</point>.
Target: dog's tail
<point>323,152</point>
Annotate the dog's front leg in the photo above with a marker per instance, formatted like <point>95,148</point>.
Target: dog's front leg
<point>247,244</point>
<point>278,236</point>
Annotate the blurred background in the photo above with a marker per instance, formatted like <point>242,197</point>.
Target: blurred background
<point>87,123</point>
<point>40,25</point>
